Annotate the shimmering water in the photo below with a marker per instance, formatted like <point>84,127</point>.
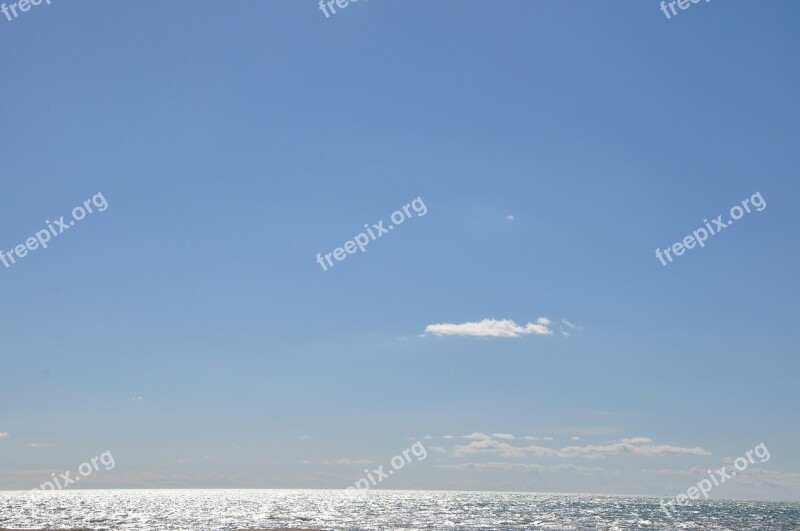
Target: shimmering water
<point>336,510</point>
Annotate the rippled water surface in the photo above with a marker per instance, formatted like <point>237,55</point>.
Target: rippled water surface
<point>337,510</point>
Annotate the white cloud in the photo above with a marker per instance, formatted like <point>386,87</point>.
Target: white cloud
<point>672,472</point>
<point>477,435</point>
<point>575,438</point>
<point>649,450</point>
<point>532,438</point>
<point>503,436</point>
<point>4,435</point>
<point>344,461</point>
<point>507,466</point>
<point>636,440</point>
<point>567,467</point>
<point>38,445</point>
<point>491,328</point>
<point>494,466</point>
<point>485,444</point>
<point>510,217</point>
<point>567,325</point>
<point>488,445</point>
<point>762,477</point>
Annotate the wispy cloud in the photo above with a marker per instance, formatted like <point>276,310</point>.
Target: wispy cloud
<point>566,326</point>
<point>510,217</point>
<point>344,461</point>
<point>494,466</point>
<point>4,435</point>
<point>477,435</point>
<point>673,472</point>
<point>491,328</point>
<point>38,445</point>
<point>636,440</point>
<point>761,478</point>
<point>525,467</point>
<point>641,446</point>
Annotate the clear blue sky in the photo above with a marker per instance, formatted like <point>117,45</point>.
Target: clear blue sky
<point>189,330</point>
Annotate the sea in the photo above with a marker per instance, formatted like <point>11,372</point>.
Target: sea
<point>144,510</point>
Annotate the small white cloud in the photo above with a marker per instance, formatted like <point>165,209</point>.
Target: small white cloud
<point>671,472</point>
<point>575,438</point>
<point>303,437</point>
<point>438,449</point>
<point>38,445</point>
<point>532,438</point>
<point>510,217</point>
<point>567,467</point>
<point>477,435</point>
<point>494,466</point>
<point>636,440</point>
<point>491,328</point>
<point>566,326</point>
<point>428,437</point>
<point>4,435</point>
<point>345,461</point>
<point>503,436</point>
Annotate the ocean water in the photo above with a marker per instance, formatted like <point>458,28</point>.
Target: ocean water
<point>377,510</point>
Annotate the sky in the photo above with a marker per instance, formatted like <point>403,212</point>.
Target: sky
<point>517,322</point>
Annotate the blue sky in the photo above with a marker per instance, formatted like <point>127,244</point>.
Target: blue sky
<point>189,330</point>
